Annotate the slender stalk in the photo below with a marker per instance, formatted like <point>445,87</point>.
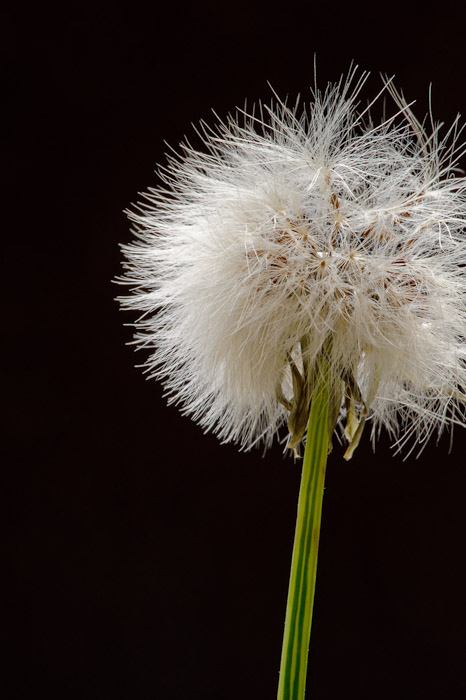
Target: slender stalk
<point>293,667</point>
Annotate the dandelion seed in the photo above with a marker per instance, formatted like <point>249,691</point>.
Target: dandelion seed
<point>300,233</point>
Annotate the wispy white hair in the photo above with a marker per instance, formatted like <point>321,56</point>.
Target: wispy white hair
<point>297,231</point>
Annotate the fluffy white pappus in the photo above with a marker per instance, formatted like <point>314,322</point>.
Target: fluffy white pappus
<point>297,233</point>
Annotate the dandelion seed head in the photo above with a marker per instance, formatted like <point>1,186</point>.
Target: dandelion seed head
<point>301,231</point>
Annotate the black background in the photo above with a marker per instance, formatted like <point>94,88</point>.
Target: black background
<point>143,559</point>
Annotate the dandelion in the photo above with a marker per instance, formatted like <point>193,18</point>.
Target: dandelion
<point>306,269</point>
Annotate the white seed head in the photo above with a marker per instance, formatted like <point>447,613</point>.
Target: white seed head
<point>301,231</point>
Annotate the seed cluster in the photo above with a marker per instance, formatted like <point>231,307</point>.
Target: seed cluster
<point>299,234</point>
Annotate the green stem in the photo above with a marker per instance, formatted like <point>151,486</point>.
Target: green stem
<point>300,602</point>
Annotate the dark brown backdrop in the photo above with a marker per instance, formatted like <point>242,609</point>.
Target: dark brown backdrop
<point>143,560</point>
